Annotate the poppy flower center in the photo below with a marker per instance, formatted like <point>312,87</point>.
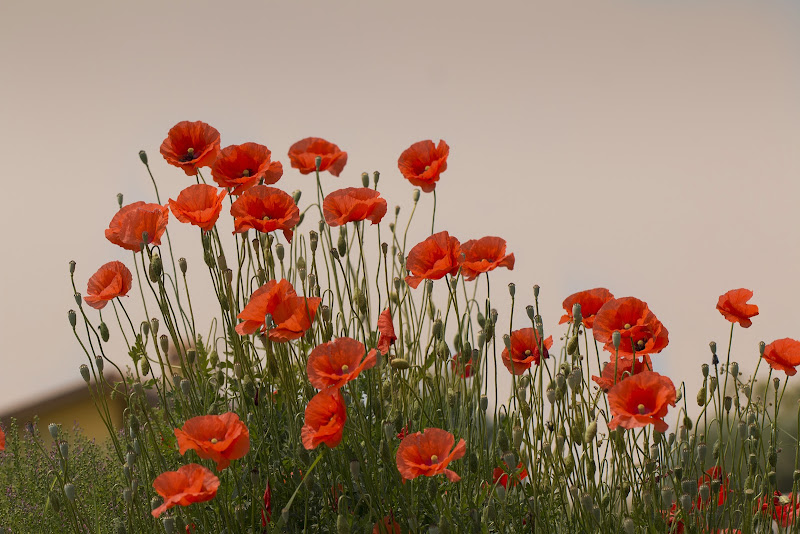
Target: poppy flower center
<point>214,440</point>
<point>640,344</point>
<point>189,155</point>
<point>345,368</point>
<point>434,459</point>
<point>528,352</point>
<point>627,326</point>
<point>642,409</point>
<point>427,167</point>
<point>246,173</point>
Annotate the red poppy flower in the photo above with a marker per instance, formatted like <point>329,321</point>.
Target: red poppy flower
<point>387,525</point>
<point>243,166</point>
<point>191,145</point>
<point>784,508</point>
<point>525,350</point>
<point>500,475</point>
<point>464,369</point>
<point>2,440</point>
<point>189,484</point>
<point>353,204</point>
<point>303,155</point>
<point>220,438</point>
<point>325,417</point>
<point>590,300</point>
<point>199,205</point>
<point>712,474</point>
<point>335,363</point>
<point>386,330</point>
<point>423,162</point>
<point>641,400</point>
<point>267,517</point>
<point>265,209</point>
<point>403,432</point>
<point>130,222</point>
<point>291,315</point>
<point>432,259</point>
<point>783,355</point>
<point>428,453</point>
<point>484,255</point>
<point>734,307</point>
<point>112,280</point>
<point>639,328</point>
<point>625,368</point>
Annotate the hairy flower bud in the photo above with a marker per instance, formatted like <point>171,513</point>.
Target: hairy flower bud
<point>73,318</point>
<point>69,491</point>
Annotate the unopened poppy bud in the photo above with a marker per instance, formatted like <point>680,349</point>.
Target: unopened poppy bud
<point>502,440</point>
<point>572,345</point>
<point>415,196</point>
<point>53,429</point>
<point>429,286</point>
<point>761,347</point>
<point>591,432</point>
<point>776,383</point>
<point>746,390</point>
<point>586,501</point>
<point>119,199</point>
<point>334,254</point>
<point>616,338</point>
<point>678,395</point>
<point>400,364</point>
<point>98,361</point>
<point>279,251</point>
<point>551,395</point>
<point>169,524</point>
<point>145,366</point>
<point>130,459</point>
<point>69,491</point>
<point>753,431</point>
<point>796,475</point>
<point>713,346</point>
<point>164,342</point>
<point>73,318</point>
<point>500,491</point>
<point>145,328</point>
<point>772,457</point>
<point>355,469</point>
<point>104,334</point>
<point>701,397</point>
<point>686,502</point>
<point>507,341</point>
<point>484,403</point>
<point>238,371</point>
<point>156,268</point>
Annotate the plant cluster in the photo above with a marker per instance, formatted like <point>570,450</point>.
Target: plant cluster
<point>350,383</point>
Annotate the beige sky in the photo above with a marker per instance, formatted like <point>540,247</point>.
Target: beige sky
<point>648,147</point>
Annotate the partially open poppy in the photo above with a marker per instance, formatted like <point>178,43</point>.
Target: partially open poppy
<point>387,525</point>
<point>429,453</point>
<point>783,355</point>
<point>112,280</point>
<point>353,204</point>
<point>189,484</point>
<point>303,155</point>
<point>220,438</point>
<point>242,166</point>
<point>131,222</point>
<point>641,332</point>
<point>641,400</point>
<point>734,307</point>
<point>524,351</point>
<point>2,440</point>
<point>423,162</point>
<point>199,205</point>
<point>325,418</point>
<point>432,259</point>
<point>337,362</point>
<point>460,367</point>
<point>387,336</point>
<point>191,145</point>
<point>265,209</point>
<point>500,475</point>
<point>625,367</point>
<point>484,255</point>
<point>266,512</point>
<point>785,508</point>
<point>590,300</point>
<point>291,315</point>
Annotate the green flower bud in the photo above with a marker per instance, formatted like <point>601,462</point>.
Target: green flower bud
<point>69,491</point>
<point>616,338</point>
<point>73,318</point>
<point>63,447</point>
<point>400,364</point>
<point>701,397</point>
<point>119,199</point>
<point>572,345</point>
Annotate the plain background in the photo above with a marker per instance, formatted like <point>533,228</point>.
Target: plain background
<point>650,147</point>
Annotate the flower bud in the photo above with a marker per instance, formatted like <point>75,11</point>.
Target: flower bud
<point>701,397</point>
<point>415,196</point>
<point>53,429</point>
<point>164,342</point>
<point>713,346</point>
<point>616,338</point>
<point>119,199</point>
<point>145,366</point>
<point>586,501</point>
<point>155,269</point>
<point>733,369</point>
<point>73,318</point>
<point>63,447</point>
<point>69,491</point>
<point>400,364</point>
<point>85,372</point>
<point>98,362</point>
<point>512,289</point>
<point>776,383</point>
<point>169,524</point>
<point>628,525</point>
<point>591,432</point>
<point>484,403</point>
<point>686,502</point>
<point>572,345</point>
<point>761,347</point>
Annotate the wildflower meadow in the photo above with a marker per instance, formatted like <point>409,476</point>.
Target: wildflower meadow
<point>352,381</point>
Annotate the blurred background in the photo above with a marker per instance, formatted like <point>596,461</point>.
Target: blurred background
<point>647,147</point>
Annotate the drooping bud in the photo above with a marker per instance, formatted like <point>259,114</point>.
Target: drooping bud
<point>104,334</point>
<point>85,372</point>
<point>73,318</point>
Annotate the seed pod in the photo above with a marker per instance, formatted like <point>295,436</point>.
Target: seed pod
<point>591,432</point>
<point>400,364</point>
<point>701,397</point>
<point>73,318</point>
<point>704,369</point>
<point>164,342</point>
<point>484,403</point>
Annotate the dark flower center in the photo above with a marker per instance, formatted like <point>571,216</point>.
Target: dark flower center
<point>189,155</point>
<point>246,173</point>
